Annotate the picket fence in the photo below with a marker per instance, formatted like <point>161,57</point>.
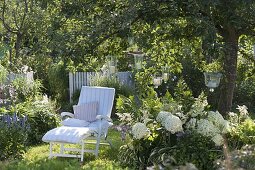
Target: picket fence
<point>79,79</point>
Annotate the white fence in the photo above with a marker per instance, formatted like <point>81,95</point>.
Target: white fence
<point>79,79</point>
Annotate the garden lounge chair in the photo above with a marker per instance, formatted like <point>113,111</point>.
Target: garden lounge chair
<point>90,121</point>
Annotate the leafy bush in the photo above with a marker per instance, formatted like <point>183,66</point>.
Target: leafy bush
<point>58,83</point>
<point>242,130</point>
<point>111,81</point>
<point>41,116</point>
<point>190,147</point>
<point>13,135</point>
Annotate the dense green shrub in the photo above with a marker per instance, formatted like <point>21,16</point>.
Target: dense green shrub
<point>58,83</point>
<point>41,116</point>
<point>13,136</point>
<point>111,81</point>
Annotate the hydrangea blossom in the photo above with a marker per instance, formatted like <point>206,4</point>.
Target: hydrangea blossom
<point>162,117</point>
<point>207,128</point>
<point>218,140</point>
<point>191,124</point>
<point>217,119</point>
<point>139,130</point>
<point>173,124</point>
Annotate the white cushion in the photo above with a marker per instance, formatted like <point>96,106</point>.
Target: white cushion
<point>72,122</point>
<point>67,134</point>
<point>86,111</point>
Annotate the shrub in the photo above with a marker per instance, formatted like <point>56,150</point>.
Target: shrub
<point>13,136</point>
<point>41,116</point>
<point>111,81</point>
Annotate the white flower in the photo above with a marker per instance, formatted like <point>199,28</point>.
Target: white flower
<point>173,124</point>
<point>191,124</point>
<point>162,117</point>
<point>218,140</point>
<point>207,128</point>
<point>243,110</point>
<point>217,119</point>
<point>139,130</point>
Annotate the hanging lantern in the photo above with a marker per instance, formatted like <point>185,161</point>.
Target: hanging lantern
<point>157,80</point>
<point>165,73</point>
<point>138,60</point>
<point>212,80</point>
<point>112,64</point>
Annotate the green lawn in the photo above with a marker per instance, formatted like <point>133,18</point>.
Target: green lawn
<point>36,158</point>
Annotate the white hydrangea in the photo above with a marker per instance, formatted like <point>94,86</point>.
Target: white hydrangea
<point>173,124</point>
<point>207,128</point>
<point>217,119</point>
<point>139,130</point>
<point>162,117</point>
<point>218,140</point>
<point>191,124</point>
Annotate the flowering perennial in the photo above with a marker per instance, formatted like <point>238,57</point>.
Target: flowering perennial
<point>207,128</point>
<point>139,130</point>
<point>173,124</point>
<point>191,124</point>
<point>161,118</point>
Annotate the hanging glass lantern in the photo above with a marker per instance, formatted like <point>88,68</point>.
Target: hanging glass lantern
<point>112,64</point>
<point>212,80</point>
<point>138,60</point>
<point>165,73</point>
<point>157,80</point>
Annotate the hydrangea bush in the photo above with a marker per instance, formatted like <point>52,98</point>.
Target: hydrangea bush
<point>174,136</point>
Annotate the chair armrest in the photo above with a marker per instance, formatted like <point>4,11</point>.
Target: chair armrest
<point>102,117</point>
<point>69,114</point>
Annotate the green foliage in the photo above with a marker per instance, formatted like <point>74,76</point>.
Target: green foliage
<point>25,90</point>
<point>3,74</point>
<point>13,135</point>
<point>147,107</point>
<point>42,117</point>
<point>58,81</point>
<point>243,133</point>
<point>191,147</point>
<point>112,81</point>
<point>183,95</point>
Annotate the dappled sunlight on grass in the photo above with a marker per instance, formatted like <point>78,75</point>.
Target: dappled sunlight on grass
<point>37,158</point>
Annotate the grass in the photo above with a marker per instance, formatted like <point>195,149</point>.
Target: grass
<point>36,158</point>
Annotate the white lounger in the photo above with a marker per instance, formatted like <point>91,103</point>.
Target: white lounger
<point>97,129</point>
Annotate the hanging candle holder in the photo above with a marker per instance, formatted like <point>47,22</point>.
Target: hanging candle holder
<point>212,80</point>
<point>165,73</point>
<point>112,64</point>
<point>157,80</point>
<point>138,60</point>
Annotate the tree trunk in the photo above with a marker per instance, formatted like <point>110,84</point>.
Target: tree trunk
<point>18,44</point>
<point>230,38</point>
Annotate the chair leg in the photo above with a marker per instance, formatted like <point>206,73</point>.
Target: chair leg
<point>82,150</point>
<point>97,146</point>
<point>51,145</point>
<point>61,148</point>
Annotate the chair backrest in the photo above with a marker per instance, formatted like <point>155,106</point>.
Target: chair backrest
<point>103,95</point>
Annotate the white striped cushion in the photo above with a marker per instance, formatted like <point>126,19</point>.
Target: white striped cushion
<point>86,111</point>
